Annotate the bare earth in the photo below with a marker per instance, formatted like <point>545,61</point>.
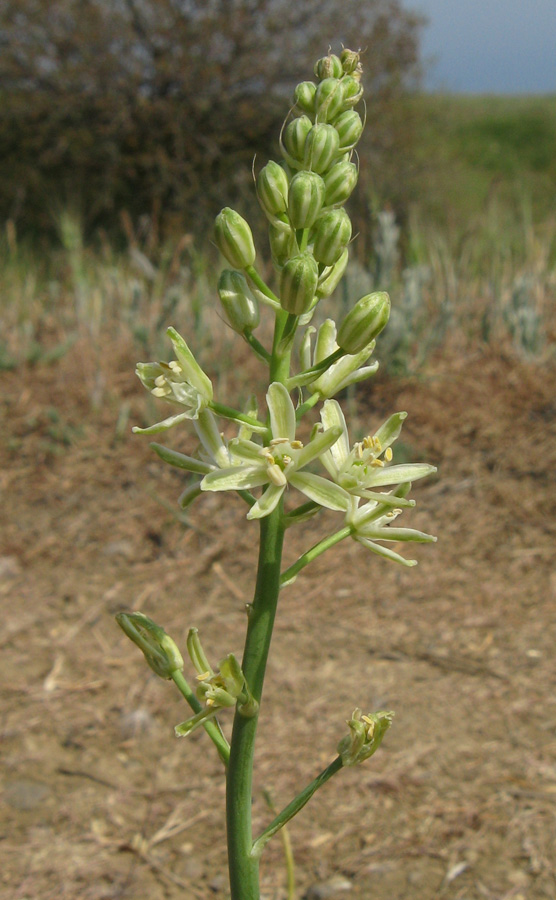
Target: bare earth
<point>99,800</point>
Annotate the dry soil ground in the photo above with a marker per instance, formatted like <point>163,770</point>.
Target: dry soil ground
<point>99,800</point>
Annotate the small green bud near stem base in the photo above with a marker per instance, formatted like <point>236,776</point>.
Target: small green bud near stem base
<point>158,648</point>
<point>329,67</point>
<point>272,189</point>
<point>298,284</point>
<point>304,97</point>
<point>321,148</point>
<point>234,239</point>
<point>339,182</point>
<point>238,302</point>
<point>364,322</point>
<point>332,234</point>
<point>305,199</point>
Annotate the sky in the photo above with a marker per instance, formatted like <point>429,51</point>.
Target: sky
<point>489,46</point>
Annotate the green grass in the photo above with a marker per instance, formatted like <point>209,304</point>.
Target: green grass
<point>473,150</point>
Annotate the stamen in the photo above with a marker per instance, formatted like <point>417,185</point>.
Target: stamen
<point>275,441</point>
<point>388,454</point>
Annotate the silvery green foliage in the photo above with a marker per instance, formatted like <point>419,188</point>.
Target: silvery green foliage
<point>522,318</point>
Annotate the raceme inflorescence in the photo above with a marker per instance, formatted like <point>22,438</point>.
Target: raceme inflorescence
<point>284,468</point>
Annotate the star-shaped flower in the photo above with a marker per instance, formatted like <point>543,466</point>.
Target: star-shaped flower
<point>277,464</point>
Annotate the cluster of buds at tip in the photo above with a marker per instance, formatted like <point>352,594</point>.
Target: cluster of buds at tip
<point>364,737</point>
<point>302,197</point>
<point>218,690</point>
<point>158,648</point>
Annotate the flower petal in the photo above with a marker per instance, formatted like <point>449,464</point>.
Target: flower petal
<point>282,412</point>
<point>210,437</point>
<point>390,430</point>
<point>321,490</point>
<point>180,460</point>
<point>267,503</point>
<point>395,534</point>
<point>165,424</point>
<point>333,460</point>
<point>189,364</point>
<point>235,478</point>
<point>398,474</point>
<point>385,552</point>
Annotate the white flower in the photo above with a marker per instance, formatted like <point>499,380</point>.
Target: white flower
<point>349,369</point>
<point>360,469</point>
<point>181,382</point>
<point>278,464</point>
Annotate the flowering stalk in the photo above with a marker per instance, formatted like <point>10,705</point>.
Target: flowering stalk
<point>265,462</point>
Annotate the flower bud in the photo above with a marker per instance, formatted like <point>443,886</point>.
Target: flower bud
<point>298,284</point>
<point>321,147</point>
<point>349,60</point>
<point>234,239</point>
<point>329,100</point>
<point>304,97</point>
<point>339,182</point>
<point>328,67</point>
<point>331,278</point>
<point>332,234</point>
<point>282,242</point>
<point>239,304</point>
<point>364,322</point>
<point>349,127</point>
<point>295,135</point>
<point>351,91</point>
<point>158,648</point>
<point>306,199</point>
<point>272,189</point>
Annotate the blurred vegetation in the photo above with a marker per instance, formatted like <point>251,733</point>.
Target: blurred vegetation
<point>157,106</point>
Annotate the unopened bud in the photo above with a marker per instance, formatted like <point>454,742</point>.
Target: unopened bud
<point>304,96</point>
<point>295,135</point>
<point>364,322</point>
<point>332,234</point>
<point>306,199</point>
<point>321,147</point>
<point>158,648</point>
<point>349,60</point>
<point>329,99</point>
<point>352,91</point>
<point>238,302</point>
<point>272,189</point>
<point>339,182</point>
<point>349,127</point>
<point>364,737</point>
<point>329,67</point>
<point>331,278</point>
<point>282,242</point>
<point>298,283</point>
<point>234,239</point>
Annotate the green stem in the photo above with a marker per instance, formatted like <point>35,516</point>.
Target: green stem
<point>293,808</point>
<point>312,554</point>
<point>228,412</point>
<point>262,285</point>
<point>243,866</point>
<point>256,346</point>
<point>307,405</point>
<point>313,373</point>
<point>212,728</point>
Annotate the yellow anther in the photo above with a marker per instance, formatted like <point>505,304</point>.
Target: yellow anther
<point>276,476</point>
<point>297,445</point>
<point>204,676</point>
<point>160,380</point>
<point>161,391</point>
<point>286,459</point>
<point>175,366</point>
<point>275,441</point>
<point>388,454</point>
<point>377,462</point>
<point>359,450</point>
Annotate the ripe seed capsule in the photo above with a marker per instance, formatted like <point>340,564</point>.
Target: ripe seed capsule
<point>306,199</point>
<point>329,67</point>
